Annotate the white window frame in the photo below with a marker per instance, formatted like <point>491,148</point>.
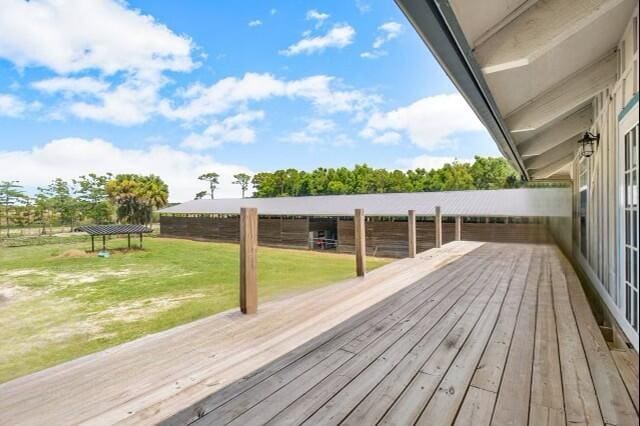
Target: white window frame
<point>628,122</point>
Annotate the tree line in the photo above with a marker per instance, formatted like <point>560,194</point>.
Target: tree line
<point>483,173</point>
<point>127,198</point>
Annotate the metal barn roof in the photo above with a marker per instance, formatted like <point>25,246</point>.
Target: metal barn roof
<point>540,202</point>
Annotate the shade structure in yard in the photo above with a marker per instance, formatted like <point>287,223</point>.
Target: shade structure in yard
<point>114,229</point>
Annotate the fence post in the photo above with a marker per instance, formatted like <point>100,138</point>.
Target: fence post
<point>361,246</point>
<point>412,233</point>
<point>438,222</point>
<point>248,260</point>
<point>458,228</point>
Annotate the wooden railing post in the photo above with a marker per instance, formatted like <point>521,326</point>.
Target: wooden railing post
<point>412,233</point>
<point>438,223</point>
<point>458,228</point>
<point>361,246</point>
<point>248,260</point>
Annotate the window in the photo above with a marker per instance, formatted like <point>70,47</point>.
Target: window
<point>583,192</point>
<point>630,226</point>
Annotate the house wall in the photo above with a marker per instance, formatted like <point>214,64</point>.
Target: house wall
<point>597,252</point>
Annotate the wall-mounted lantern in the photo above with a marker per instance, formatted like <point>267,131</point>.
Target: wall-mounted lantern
<point>588,144</point>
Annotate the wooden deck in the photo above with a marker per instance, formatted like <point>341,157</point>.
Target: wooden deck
<point>149,379</point>
<point>503,335</point>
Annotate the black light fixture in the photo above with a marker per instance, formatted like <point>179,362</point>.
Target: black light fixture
<point>587,144</point>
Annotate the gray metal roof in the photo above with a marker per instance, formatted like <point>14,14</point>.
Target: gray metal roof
<point>540,202</point>
<point>114,229</point>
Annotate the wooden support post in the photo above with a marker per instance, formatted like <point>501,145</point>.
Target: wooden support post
<point>458,228</point>
<point>248,260</point>
<point>361,246</point>
<point>412,233</point>
<point>438,223</point>
<point>104,242</point>
<point>93,244</point>
<point>129,241</point>
<point>141,240</point>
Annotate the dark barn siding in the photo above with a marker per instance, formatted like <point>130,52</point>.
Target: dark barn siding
<point>279,232</point>
<point>389,238</point>
<point>384,238</point>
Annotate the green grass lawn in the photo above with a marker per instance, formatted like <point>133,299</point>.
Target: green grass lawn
<point>58,303</point>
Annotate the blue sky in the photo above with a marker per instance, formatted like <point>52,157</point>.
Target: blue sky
<point>179,88</point>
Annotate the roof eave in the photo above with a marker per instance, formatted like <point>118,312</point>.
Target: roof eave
<point>435,22</point>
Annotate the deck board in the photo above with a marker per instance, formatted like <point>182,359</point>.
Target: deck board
<point>497,337</point>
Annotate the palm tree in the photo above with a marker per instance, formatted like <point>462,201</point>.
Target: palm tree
<point>212,178</point>
<point>137,196</point>
<point>243,180</point>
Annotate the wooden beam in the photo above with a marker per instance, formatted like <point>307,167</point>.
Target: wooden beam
<point>552,168</point>
<point>248,260</point>
<point>562,150</point>
<point>458,236</point>
<point>537,30</point>
<point>568,96</point>
<point>412,233</point>
<point>573,126</point>
<point>438,222</point>
<point>361,246</point>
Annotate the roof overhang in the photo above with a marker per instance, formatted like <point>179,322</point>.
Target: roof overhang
<point>529,69</point>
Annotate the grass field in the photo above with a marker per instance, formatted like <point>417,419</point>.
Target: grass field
<point>58,303</point>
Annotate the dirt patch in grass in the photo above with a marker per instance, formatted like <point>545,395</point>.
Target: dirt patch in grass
<point>75,253</point>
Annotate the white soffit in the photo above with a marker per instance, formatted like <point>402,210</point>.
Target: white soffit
<point>543,62</point>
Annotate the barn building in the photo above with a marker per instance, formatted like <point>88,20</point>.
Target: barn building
<point>326,222</point>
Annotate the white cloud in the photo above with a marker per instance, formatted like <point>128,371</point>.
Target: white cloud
<point>322,91</point>
<point>319,131</point>
<point>319,17</point>
<point>132,102</point>
<point>255,23</point>
<point>429,122</point>
<point>387,138</point>
<point>273,11</point>
<point>339,36</point>
<point>316,131</point>
<point>67,158</point>
<point>429,162</point>
<point>69,85</point>
<point>387,32</point>
<point>68,36</point>
<point>363,6</point>
<point>234,129</point>
<point>71,36</point>
<point>12,106</point>
<point>375,54</point>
